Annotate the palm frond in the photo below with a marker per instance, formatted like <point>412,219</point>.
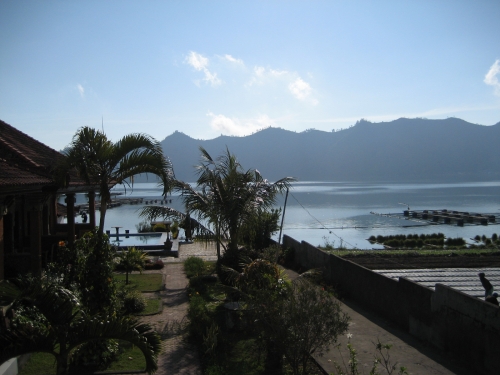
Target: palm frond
<point>123,328</point>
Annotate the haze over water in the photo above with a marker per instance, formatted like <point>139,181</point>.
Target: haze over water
<point>339,212</point>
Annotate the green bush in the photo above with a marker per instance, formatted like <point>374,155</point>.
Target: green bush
<point>96,354</point>
<point>134,302</point>
<point>144,227</point>
<point>174,228</point>
<point>199,317</point>
<point>194,266</point>
<point>159,227</point>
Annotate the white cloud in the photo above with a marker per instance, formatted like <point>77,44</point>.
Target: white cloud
<point>200,63</point>
<point>234,60</point>
<point>81,90</point>
<point>197,61</point>
<point>491,78</point>
<point>300,88</point>
<point>238,127</point>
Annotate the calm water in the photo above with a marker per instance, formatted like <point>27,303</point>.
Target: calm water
<point>339,212</point>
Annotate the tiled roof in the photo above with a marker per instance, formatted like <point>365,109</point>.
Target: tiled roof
<point>13,176</point>
<point>25,151</point>
<point>24,161</point>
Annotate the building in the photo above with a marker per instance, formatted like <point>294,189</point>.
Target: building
<point>29,191</point>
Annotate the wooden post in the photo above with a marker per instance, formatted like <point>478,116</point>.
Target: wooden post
<point>35,219</point>
<point>70,208</point>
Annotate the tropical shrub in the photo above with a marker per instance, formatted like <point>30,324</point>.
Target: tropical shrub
<point>63,326</point>
<point>133,302</point>
<point>194,266</point>
<point>143,227</point>
<point>160,227</point>
<point>303,321</point>
<point>130,260</point>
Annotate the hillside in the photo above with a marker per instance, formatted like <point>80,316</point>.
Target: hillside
<point>404,150</point>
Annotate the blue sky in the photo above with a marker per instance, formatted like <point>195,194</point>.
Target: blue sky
<point>208,68</point>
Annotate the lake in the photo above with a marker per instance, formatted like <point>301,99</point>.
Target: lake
<point>339,212</point>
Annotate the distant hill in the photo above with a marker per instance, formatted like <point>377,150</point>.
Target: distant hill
<point>404,150</point>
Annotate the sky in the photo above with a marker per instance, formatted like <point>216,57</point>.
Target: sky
<point>207,68</point>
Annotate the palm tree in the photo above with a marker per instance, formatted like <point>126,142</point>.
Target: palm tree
<point>63,326</point>
<point>131,259</point>
<point>226,196</point>
<point>104,163</point>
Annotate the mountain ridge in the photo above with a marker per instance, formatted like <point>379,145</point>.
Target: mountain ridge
<point>403,150</point>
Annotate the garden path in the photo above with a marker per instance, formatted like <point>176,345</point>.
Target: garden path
<point>178,356</point>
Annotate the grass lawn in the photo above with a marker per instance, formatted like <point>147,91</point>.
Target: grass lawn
<point>146,282</point>
<point>131,359</point>
<point>44,364</point>
<point>39,364</point>
<point>152,306</point>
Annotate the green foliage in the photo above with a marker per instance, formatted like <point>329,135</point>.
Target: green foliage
<point>410,241</point>
<point>131,259</point>
<point>100,162</point>
<point>94,273</point>
<point>194,266</point>
<point>133,302</point>
<point>382,357</point>
<point>260,275</point>
<point>258,228</point>
<point>153,306</point>
<point>174,228</point>
<point>226,196</point>
<point>301,322</point>
<point>159,227</point>
<point>199,317</point>
<point>96,354</point>
<point>144,227</point>
<point>147,282</point>
<point>65,326</point>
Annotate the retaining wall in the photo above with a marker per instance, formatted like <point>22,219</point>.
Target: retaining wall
<point>464,326</point>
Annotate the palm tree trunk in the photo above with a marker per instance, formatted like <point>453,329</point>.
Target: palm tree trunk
<point>218,242</point>
<point>62,361</point>
<point>104,207</point>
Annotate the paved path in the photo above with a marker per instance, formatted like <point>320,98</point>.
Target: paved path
<point>178,356</point>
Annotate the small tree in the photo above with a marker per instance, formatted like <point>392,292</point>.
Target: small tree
<point>303,321</point>
<point>131,259</point>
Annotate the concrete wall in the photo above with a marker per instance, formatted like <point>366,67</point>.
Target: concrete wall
<point>464,326</point>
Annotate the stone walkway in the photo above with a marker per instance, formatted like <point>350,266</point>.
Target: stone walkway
<point>178,356</point>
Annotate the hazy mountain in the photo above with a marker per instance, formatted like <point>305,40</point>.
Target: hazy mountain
<point>397,151</point>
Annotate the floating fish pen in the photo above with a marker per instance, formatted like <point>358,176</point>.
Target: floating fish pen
<point>459,218</point>
<point>447,217</point>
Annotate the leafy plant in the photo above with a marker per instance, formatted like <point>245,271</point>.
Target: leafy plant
<point>301,322</point>
<point>65,326</point>
<point>130,260</point>
<point>194,266</point>
<point>382,357</point>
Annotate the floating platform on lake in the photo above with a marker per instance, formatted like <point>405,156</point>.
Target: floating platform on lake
<point>450,217</point>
